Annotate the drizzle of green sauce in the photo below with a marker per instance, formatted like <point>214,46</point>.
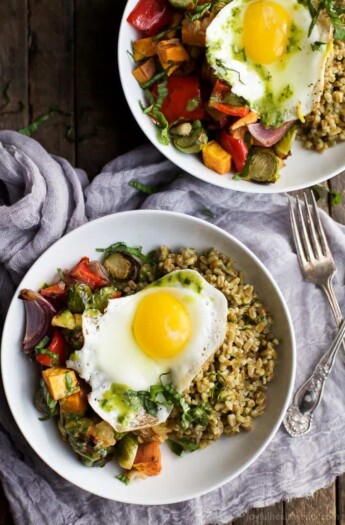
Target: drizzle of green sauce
<point>183,278</point>
<point>117,399</point>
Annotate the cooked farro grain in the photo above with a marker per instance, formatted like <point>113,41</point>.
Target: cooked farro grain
<point>234,381</point>
<point>325,125</point>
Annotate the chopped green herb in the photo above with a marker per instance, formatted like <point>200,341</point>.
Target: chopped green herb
<point>43,343</point>
<point>163,33</point>
<point>145,188</point>
<point>318,46</point>
<point>35,124</point>
<point>198,12</point>
<point>192,104</point>
<point>336,198</point>
<point>69,382</point>
<point>178,446</point>
<point>123,478</point>
<point>54,356</point>
<point>207,213</point>
<point>44,402</point>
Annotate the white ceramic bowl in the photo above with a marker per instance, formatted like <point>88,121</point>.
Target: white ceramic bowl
<point>182,478</point>
<point>303,168</point>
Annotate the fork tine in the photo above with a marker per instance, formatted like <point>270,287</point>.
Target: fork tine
<point>304,233</point>
<point>296,235</point>
<point>314,237</point>
<point>320,230</point>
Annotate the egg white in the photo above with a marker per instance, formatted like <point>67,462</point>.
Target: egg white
<point>111,355</point>
<point>285,89</point>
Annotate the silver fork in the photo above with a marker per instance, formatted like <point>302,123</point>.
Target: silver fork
<point>318,267</point>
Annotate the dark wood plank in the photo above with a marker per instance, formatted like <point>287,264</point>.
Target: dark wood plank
<point>341,500</point>
<point>273,515</point>
<point>320,508</point>
<point>13,101</point>
<point>13,64</point>
<point>51,77</point>
<point>105,126</point>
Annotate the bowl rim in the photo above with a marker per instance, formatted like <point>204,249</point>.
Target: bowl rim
<point>166,150</point>
<point>248,253</point>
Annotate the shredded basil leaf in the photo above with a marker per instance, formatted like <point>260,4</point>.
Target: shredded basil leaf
<point>336,198</point>
<point>178,446</point>
<point>163,33</point>
<point>198,12</point>
<point>145,188</point>
<point>35,124</point>
<point>318,46</point>
<point>123,478</point>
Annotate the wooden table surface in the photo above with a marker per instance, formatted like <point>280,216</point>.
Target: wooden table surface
<point>61,55</point>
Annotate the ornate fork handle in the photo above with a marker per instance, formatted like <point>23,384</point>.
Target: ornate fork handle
<point>299,417</point>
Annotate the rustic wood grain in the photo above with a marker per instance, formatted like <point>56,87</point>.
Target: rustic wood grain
<point>341,500</point>
<point>273,515</point>
<point>318,509</point>
<point>51,79</point>
<point>13,64</point>
<point>105,126</point>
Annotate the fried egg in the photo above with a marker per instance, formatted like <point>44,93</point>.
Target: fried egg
<point>173,326</point>
<point>263,50</point>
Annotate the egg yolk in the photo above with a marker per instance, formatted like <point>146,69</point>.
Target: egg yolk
<point>265,31</point>
<point>161,325</point>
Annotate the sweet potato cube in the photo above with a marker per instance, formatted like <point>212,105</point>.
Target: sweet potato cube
<point>171,54</point>
<point>143,48</point>
<point>194,32</point>
<point>61,382</point>
<point>146,71</point>
<point>216,158</point>
<point>75,403</point>
<point>148,459</point>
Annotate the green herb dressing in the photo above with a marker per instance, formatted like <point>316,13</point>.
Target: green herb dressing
<point>116,399</point>
<point>184,278</point>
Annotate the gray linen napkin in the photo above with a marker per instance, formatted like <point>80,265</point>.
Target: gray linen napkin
<point>46,198</point>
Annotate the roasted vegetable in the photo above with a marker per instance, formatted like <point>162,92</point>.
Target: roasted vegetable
<point>74,404</point>
<point>194,142</point>
<point>148,459</point>
<point>54,354</point>
<point>66,319</point>
<point>250,118</point>
<point>182,4</point>
<point>150,16</point>
<point>126,450</point>
<point>262,166</point>
<point>38,313</point>
<point>143,48</point>
<point>226,102</point>
<point>101,298</point>
<point>79,296</point>
<point>122,266</point>
<point>171,54</point>
<point>44,402</point>
<point>183,100</point>
<point>194,31</point>
<point>88,273</point>
<point>216,158</point>
<point>93,440</point>
<point>237,148</point>
<point>60,382</point>
<point>283,147</point>
<point>145,71</point>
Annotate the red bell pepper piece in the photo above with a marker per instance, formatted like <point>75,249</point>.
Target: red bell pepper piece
<point>151,16</point>
<point>83,272</point>
<point>183,100</point>
<point>57,347</point>
<point>221,101</point>
<point>56,290</point>
<point>237,148</point>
